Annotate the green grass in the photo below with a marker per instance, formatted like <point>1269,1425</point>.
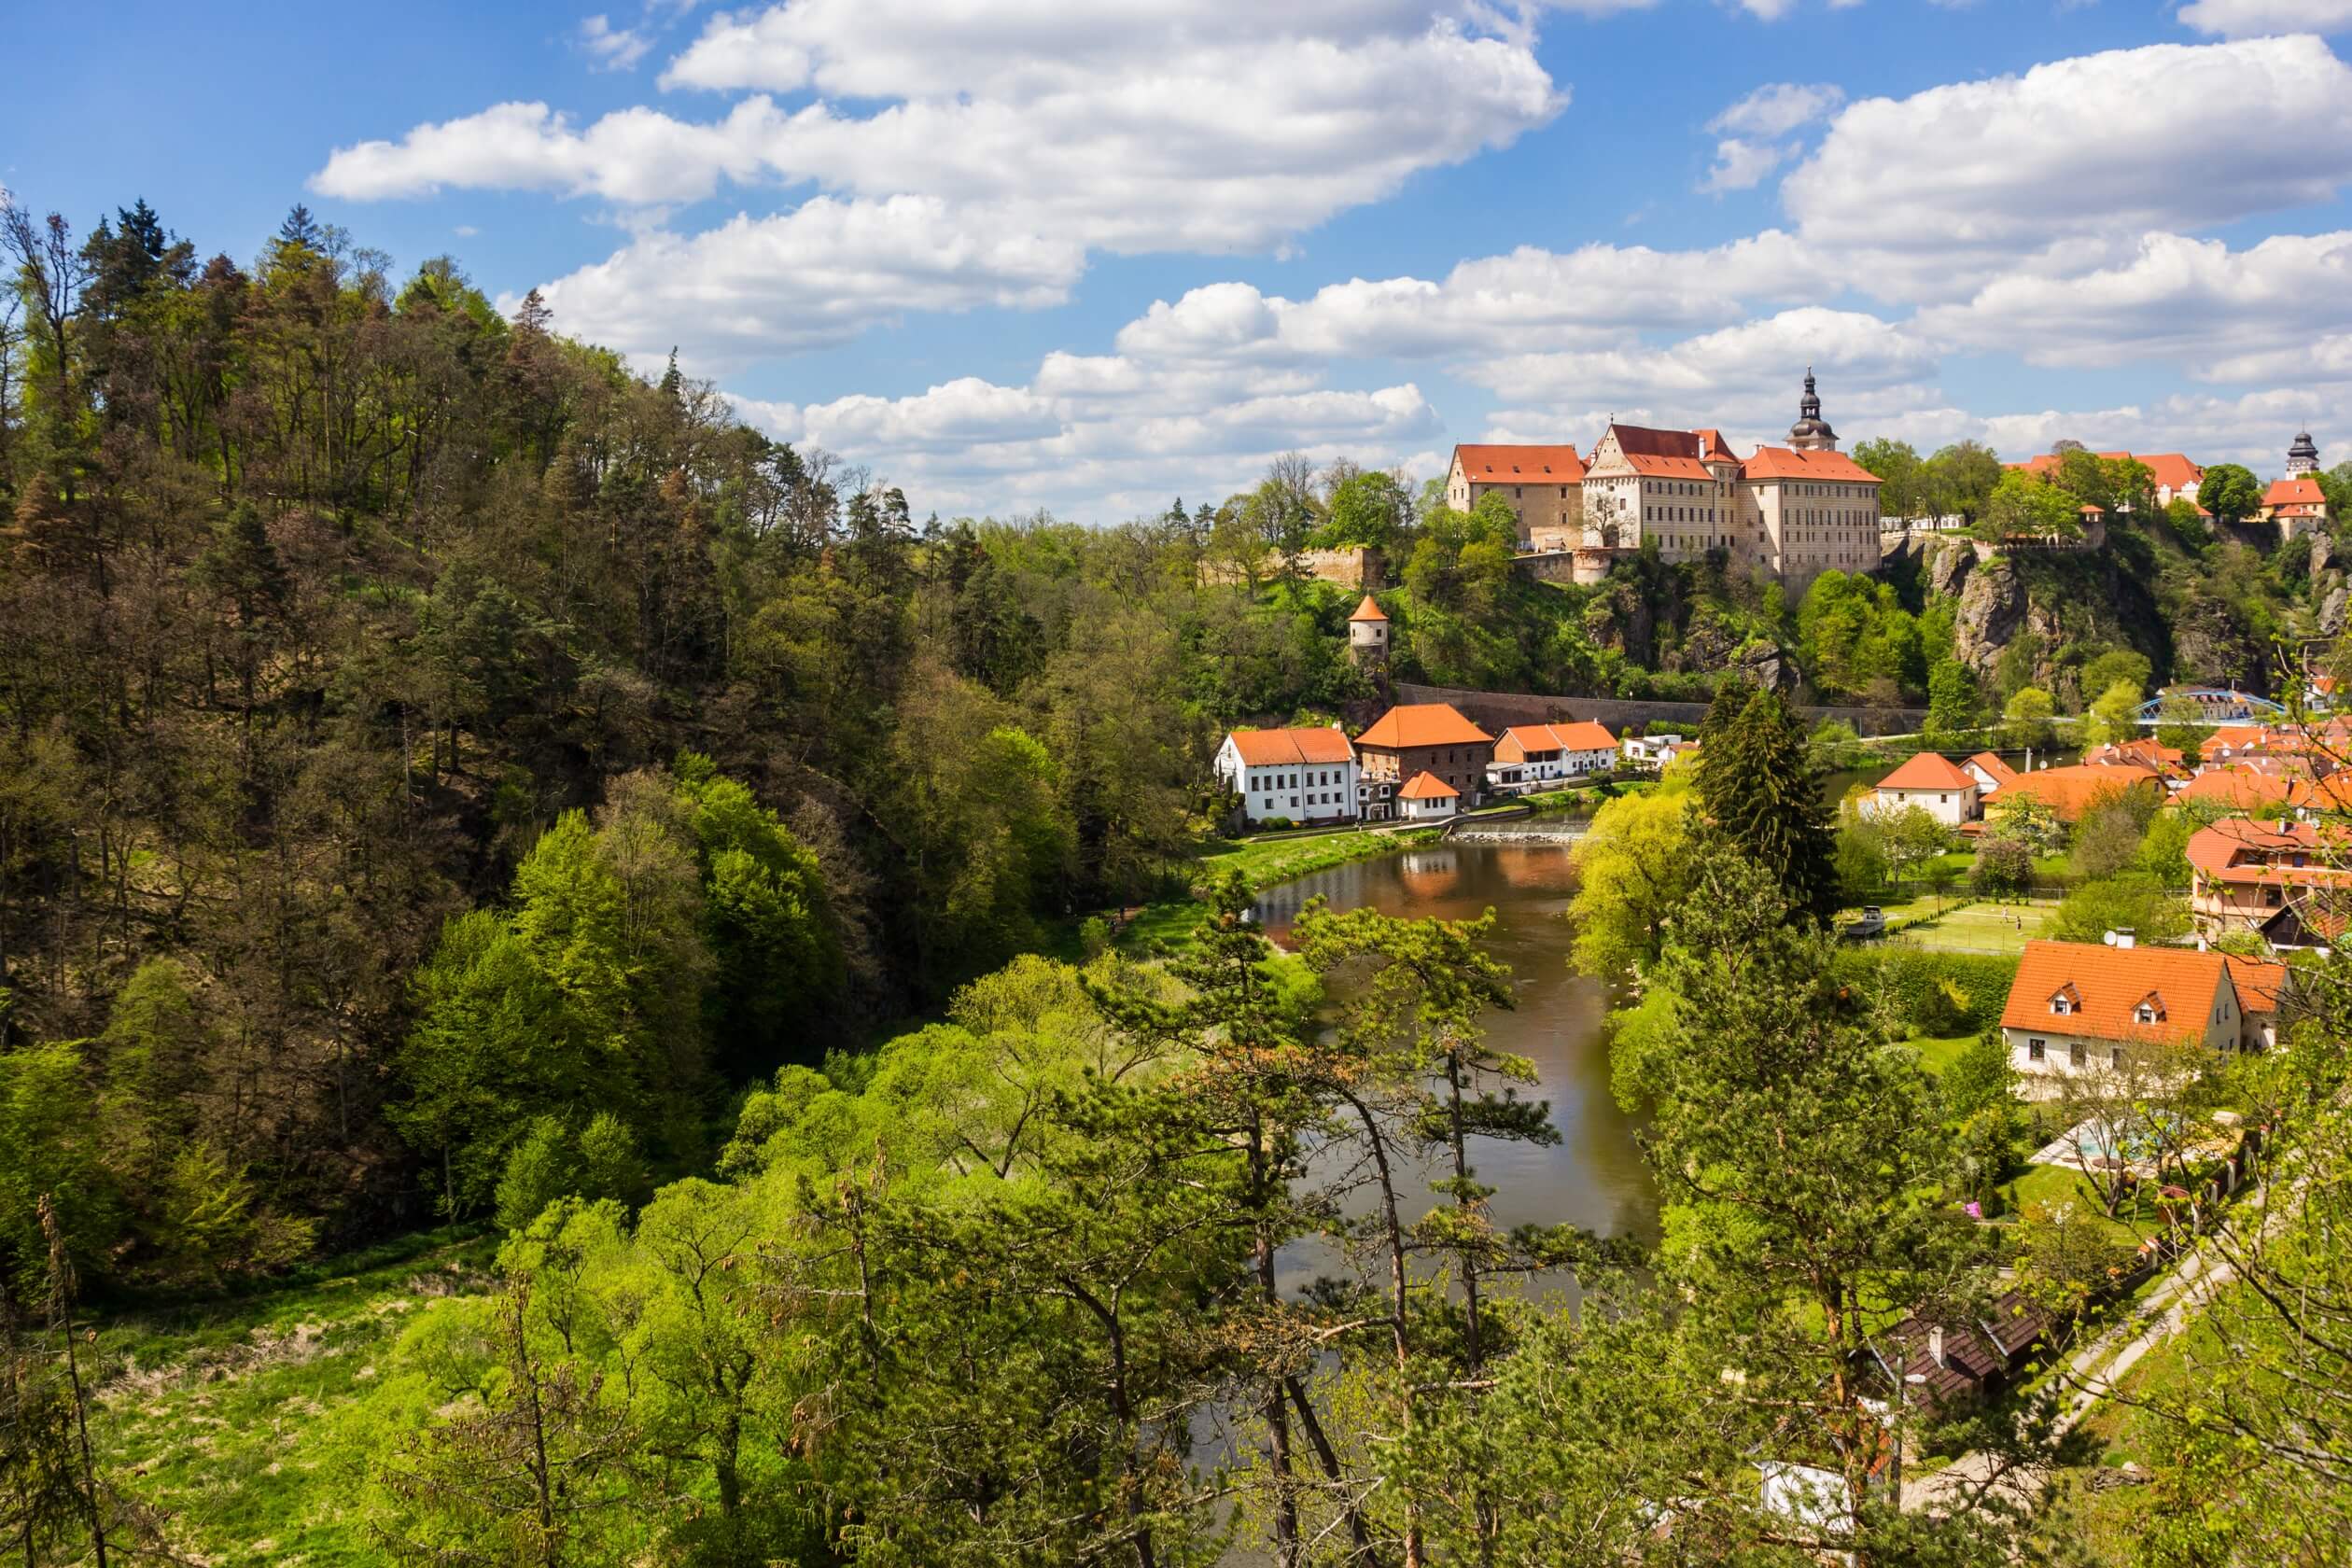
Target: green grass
<point>1961,924</point>
<point>1938,1052</point>
<point>1265,862</point>
<point>2054,1184</point>
<point>221,1410</point>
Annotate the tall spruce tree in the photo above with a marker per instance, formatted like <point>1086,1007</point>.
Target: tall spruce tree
<point>1763,794</point>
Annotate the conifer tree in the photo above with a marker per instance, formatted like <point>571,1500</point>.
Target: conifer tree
<point>1763,794</point>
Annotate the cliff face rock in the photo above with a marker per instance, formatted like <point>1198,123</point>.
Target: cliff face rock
<point>2058,603</point>
<point>2333,605</point>
<point>1950,565</point>
<point>2212,647</point>
<point>1761,664</point>
<point>1991,609</point>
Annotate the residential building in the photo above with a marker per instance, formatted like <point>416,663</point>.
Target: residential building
<point>2172,474</point>
<point>1990,771</point>
<point>2089,1006</point>
<point>1955,1359</point>
<point>1936,785</point>
<point>2262,995</point>
<point>1545,485</point>
<point>2069,791</point>
<point>1292,775</point>
<point>2240,788</point>
<point>1529,756</point>
<point>2296,506</point>
<point>1427,798</point>
<point>2158,761</point>
<point>2244,870</point>
<point>1658,751</point>
<point>1416,739</point>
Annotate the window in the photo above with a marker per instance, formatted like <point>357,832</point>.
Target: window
<point>2035,1050</point>
<point>2115,1057</point>
<point>2075,1054</point>
<point>2063,1003</point>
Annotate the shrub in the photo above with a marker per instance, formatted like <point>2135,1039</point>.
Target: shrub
<point>1940,994</point>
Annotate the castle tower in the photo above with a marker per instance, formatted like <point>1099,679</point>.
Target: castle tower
<point>1368,634</point>
<point>1812,433</point>
<point>2303,457</point>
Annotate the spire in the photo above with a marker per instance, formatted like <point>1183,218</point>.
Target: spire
<point>2303,457</point>
<point>1812,433</point>
<point>1809,406</point>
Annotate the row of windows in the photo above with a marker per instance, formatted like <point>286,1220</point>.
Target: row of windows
<point>1290,781</point>
<point>2077,1055</point>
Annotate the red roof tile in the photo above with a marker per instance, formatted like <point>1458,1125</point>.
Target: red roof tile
<point>1781,462</point>
<point>1584,735</point>
<point>2067,790</point>
<point>1928,770</point>
<point>1368,610</point>
<point>1275,748</point>
<point>1994,767</point>
<point>2300,491</point>
<point>1428,785</point>
<point>2239,787</point>
<point>2109,984</point>
<point>1521,464</point>
<point>1422,724</point>
<point>2259,983</point>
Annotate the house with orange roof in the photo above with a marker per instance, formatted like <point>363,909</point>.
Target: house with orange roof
<point>1544,484</point>
<point>2146,752</point>
<point>1529,756</point>
<point>1935,784</point>
<point>2263,993</point>
<point>2239,788</point>
<point>2090,1007</point>
<point>1990,771</point>
<point>1427,798</point>
<point>2171,474</point>
<point>1416,739</point>
<point>2296,504</point>
<point>2071,791</point>
<point>1290,776</point>
<point>2244,870</point>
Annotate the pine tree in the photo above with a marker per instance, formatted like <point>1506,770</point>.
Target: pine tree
<point>1763,794</point>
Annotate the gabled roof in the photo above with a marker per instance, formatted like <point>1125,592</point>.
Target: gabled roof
<point>1281,747</point>
<point>2146,752</point>
<point>2171,470</point>
<point>2301,490</point>
<point>1521,464</point>
<point>1994,767</point>
<point>2111,982</point>
<point>2249,851</point>
<point>1781,462</point>
<point>1368,610</point>
<point>1422,724</point>
<point>1427,786</point>
<point>1713,447</point>
<point>2259,983</point>
<point>2244,787</point>
<point>1928,770</point>
<point>2067,790</point>
<point>1582,736</point>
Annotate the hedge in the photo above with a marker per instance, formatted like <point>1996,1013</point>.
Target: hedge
<point>1940,994</point>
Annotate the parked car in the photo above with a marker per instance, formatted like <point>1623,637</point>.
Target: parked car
<point>1872,924</point>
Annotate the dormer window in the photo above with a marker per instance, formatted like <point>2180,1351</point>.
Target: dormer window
<point>2067,1002</point>
<point>2151,1009</point>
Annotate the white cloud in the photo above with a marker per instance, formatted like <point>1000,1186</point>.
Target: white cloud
<point>1740,164</point>
<point>2252,429</point>
<point>818,275</point>
<point>1721,377</point>
<point>2248,18</point>
<point>2130,140</point>
<point>1778,109</point>
<point>635,155</point>
<point>2236,315</point>
<point>613,49</point>
<point>1768,10</point>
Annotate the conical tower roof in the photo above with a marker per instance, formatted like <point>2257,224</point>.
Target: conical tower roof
<point>1368,610</point>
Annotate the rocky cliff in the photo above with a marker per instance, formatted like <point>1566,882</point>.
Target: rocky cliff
<point>2051,607</point>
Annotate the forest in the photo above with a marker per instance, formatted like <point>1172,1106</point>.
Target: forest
<point>451,785</point>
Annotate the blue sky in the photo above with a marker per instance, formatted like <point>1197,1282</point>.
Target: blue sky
<point>1013,254</point>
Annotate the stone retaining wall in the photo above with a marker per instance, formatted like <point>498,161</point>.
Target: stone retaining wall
<point>1498,710</point>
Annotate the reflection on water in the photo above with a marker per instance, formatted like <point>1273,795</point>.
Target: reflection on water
<point>1593,1177</point>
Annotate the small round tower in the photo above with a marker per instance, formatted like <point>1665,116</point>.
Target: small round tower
<point>1369,633</point>
<point>2303,457</point>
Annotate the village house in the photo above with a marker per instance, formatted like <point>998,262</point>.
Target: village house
<point>2262,995</point>
<point>1934,784</point>
<point>1544,486</point>
<point>1953,1360</point>
<point>2069,791</point>
<point>1990,771</point>
<point>1290,776</point>
<point>1529,756</point>
<point>1427,798</point>
<point>2243,871</point>
<point>1658,751</point>
<point>1417,738</point>
<point>2089,1006</point>
<point>2171,474</point>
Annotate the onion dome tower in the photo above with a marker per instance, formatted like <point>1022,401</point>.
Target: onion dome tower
<point>1812,433</point>
<point>2303,457</point>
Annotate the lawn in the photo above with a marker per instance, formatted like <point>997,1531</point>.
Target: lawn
<point>1963,925</point>
<point>1265,861</point>
<point>222,1410</point>
<point>1937,1053</point>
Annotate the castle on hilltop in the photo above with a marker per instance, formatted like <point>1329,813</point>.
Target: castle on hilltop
<point>1787,513</point>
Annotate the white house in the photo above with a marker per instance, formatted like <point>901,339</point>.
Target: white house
<point>1656,750</point>
<point>1935,784</point>
<point>1529,756</point>
<point>2089,1006</point>
<point>1427,798</point>
<point>1293,776</point>
<point>1990,772</point>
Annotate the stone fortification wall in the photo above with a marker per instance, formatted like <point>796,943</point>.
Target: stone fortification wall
<point>1498,711</point>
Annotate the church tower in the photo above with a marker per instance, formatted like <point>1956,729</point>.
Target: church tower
<point>1812,433</point>
<point>2303,457</point>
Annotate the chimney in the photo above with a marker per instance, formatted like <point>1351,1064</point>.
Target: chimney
<point>1935,1345</point>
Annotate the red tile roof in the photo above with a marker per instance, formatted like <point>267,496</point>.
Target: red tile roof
<point>1368,610</point>
<point>1521,464</point>
<point>2173,471</point>
<point>1277,748</point>
<point>1422,724</point>
<point>2109,984</point>
<point>2300,491</point>
<point>1428,785</point>
<point>2240,787</point>
<point>1520,740</point>
<point>1928,770</point>
<point>1781,462</point>
<point>1995,768</point>
<point>2259,983</point>
<point>2067,790</point>
<point>2251,852</point>
<point>1668,467</point>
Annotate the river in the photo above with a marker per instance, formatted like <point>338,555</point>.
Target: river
<point>1594,1176</point>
